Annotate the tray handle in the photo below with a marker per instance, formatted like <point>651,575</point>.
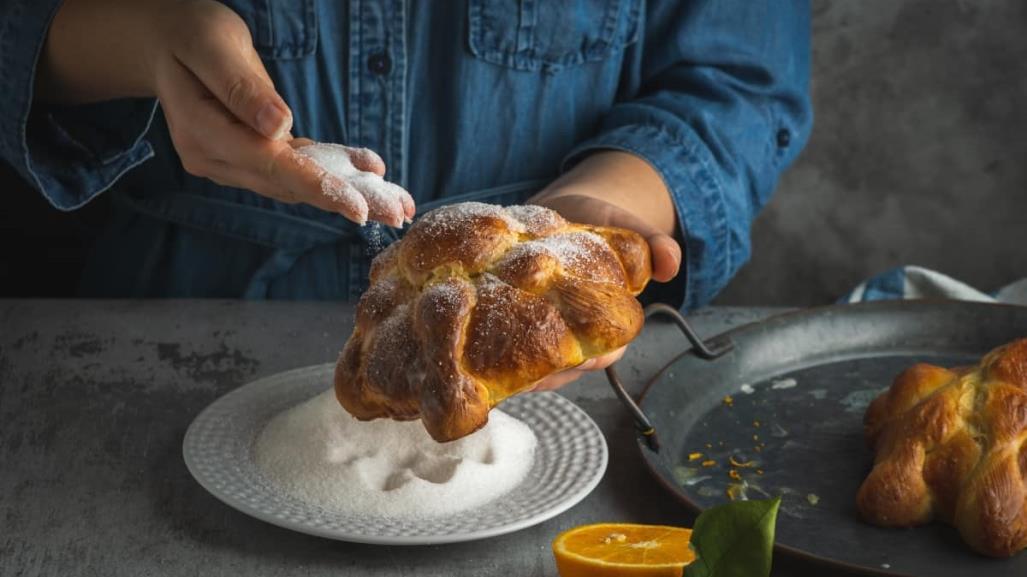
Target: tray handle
<point>709,350</point>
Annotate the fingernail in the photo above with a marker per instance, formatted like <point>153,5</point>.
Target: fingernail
<point>273,122</point>
<point>586,365</point>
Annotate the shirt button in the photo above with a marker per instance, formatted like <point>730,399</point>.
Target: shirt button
<point>379,63</point>
<point>784,138</point>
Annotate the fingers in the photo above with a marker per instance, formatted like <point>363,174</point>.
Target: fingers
<point>557,380</point>
<point>236,76</point>
<point>386,202</point>
<point>231,154</point>
<point>314,186</point>
<point>349,203</point>
<point>601,362</point>
<point>666,255</point>
<point>230,125</point>
<point>383,208</point>
<point>367,160</point>
<point>291,166</point>
<point>666,252</point>
<point>409,208</point>
<point>277,165</point>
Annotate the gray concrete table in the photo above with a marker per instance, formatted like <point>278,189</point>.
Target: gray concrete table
<point>95,397</point>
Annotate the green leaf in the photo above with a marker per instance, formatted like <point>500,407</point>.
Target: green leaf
<point>734,540</point>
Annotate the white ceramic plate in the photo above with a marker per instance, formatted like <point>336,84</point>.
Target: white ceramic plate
<point>570,459</point>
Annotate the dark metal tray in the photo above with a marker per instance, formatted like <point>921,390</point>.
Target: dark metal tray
<point>811,375</point>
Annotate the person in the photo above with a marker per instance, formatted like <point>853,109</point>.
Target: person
<point>671,117</point>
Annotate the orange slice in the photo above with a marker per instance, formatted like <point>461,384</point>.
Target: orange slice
<point>621,550</point>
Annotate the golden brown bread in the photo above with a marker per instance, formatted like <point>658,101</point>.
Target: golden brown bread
<point>950,445</point>
<point>479,302</point>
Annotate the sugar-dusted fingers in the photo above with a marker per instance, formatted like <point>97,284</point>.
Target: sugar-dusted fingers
<point>295,172</point>
<point>386,202</point>
<point>381,196</point>
<point>214,144</point>
<point>365,159</point>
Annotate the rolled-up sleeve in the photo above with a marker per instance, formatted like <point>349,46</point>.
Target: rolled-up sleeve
<point>716,99</point>
<point>69,153</point>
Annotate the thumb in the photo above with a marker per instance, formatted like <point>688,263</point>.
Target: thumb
<point>232,71</point>
<point>666,254</point>
<point>665,251</point>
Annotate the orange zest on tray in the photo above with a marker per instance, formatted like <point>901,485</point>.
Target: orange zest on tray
<point>622,549</point>
<point>742,464</point>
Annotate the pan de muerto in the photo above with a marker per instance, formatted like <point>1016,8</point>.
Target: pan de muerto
<point>479,302</point>
<point>951,445</point>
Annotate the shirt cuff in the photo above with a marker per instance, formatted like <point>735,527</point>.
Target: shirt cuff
<point>683,162</point>
<point>75,153</point>
<point>69,153</point>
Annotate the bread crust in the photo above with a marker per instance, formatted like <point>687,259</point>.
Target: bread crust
<point>951,445</point>
<point>479,302</point>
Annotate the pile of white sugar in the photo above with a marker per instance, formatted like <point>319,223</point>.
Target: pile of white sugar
<point>320,454</point>
<point>366,193</point>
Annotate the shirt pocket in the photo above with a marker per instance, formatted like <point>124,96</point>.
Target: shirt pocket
<point>537,35</point>
<point>281,29</point>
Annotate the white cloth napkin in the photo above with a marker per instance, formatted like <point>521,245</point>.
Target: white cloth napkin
<point>914,282</point>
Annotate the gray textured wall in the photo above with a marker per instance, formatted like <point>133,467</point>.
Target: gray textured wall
<point>918,155</point>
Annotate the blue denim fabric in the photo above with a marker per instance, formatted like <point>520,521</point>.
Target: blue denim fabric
<point>482,99</point>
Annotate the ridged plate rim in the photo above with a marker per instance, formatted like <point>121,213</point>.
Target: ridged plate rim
<point>217,449</point>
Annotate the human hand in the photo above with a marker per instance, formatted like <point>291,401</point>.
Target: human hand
<point>229,124</point>
<point>588,209</point>
<point>227,121</point>
<point>666,256</point>
<point>566,376</point>
<point>593,193</point>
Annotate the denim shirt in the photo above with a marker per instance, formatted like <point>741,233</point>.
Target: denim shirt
<point>482,100</point>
